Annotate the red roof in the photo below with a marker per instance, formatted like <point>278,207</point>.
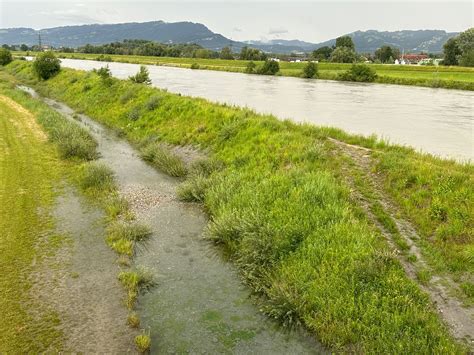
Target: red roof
<point>414,56</point>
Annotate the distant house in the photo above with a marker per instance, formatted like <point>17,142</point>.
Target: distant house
<point>411,58</point>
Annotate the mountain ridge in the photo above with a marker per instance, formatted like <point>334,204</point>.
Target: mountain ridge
<point>191,32</point>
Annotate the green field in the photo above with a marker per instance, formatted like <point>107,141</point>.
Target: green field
<point>281,201</point>
<point>430,76</point>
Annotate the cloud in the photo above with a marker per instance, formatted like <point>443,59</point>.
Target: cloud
<point>236,29</point>
<point>277,31</point>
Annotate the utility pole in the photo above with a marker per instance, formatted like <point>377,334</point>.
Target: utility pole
<point>39,40</point>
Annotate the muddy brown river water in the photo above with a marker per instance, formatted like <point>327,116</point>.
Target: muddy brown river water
<point>437,121</point>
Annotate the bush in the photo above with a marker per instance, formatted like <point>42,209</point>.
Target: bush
<point>310,70</point>
<point>359,73</point>
<point>195,66</point>
<point>153,103</point>
<point>142,77</point>
<point>5,56</point>
<point>143,343</point>
<point>250,68</point>
<point>467,59</point>
<point>96,176</point>
<point>105,74</point>
<point>270,67</point>
<point>46,65</point>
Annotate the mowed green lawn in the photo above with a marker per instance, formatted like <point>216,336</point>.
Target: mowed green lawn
<point>29,169</point>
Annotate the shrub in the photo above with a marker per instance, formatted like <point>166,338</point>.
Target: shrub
<point>359,73</point>
<point>5,56</point>
<point>96,176</point>
<point>164,159</point>
<point>104,58</point>
<point>142,77</point>
<point>134,113</point>
<point>143,343</point>
<point>195,66</point>
<point>269,67</point>
<point>105,74</point>
<point>250,68</point>
<point>133,320</point>
<point>46,65</point>
<point>310,70</point>
<point>152,103</point>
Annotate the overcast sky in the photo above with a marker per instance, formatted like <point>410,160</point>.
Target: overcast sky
<point>312,21</point>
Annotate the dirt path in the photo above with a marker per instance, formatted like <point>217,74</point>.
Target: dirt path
<point>460,319</point>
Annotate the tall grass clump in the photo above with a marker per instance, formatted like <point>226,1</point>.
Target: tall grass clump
<point>97,178</point>
<point>135,281</point>
<point>279,205</point>
<point>161,156</point>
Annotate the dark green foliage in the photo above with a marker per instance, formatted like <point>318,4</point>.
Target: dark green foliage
<point>5,56</point>
<point>345,41</point>
<point>310,70</point>
<point>360,73</point>
<point>195,66</point>
<point>467,59</point>
<point>269,67</point>
<point>323,53</point>
<point>343,55</point>
<point>46,65</point>
<point>226,53</point>
<point>250,68</point>
<point>105,75</point>
<point>387,54</point>
<point>247,53</point>
<point>451,52</point>
<point>152,103</point>
<point>141,47</point>
<point>142,77</point>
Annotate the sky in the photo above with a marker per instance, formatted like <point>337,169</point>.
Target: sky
<point>313,21</point>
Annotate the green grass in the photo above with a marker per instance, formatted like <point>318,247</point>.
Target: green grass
<point>430,76</point>
<point>143,343</point>
<point>135,281</point>
<point>161,157</point>
<point>96,178</point>
<point>278,205</point>
<point>124,236</point>
<point>29,170</point>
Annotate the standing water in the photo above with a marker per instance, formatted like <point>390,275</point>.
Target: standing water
<point>437,121</point>
<point>199,304</point>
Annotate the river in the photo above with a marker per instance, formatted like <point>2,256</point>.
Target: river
<point>436,121</point>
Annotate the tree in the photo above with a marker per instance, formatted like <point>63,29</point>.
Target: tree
<point>24,47</point>
<point>359,73</point>
<point>226,53</point>
<point>451,52</point>
<point>323,53</point>
<point>310,70</point>
<point>270,67</point>
<point>46,65</point>
<point>142,77</point>
<point>343,55</point>
<point>345,41</point>
<point>386,54</point>
<point>247,53</point>
<point>5,56</point>
<point>465,40</point>
<point>467,59</point>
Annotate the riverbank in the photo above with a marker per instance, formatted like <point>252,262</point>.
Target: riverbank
<point>280,204</point>
<point>460,78</point>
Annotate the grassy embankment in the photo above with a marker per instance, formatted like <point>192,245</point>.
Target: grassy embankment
<point>278,203</point>
<point>430,76</point>
<point>40,150</point>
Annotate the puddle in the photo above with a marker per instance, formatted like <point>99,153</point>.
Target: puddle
<point>199,305</point>
<point>80,282</point>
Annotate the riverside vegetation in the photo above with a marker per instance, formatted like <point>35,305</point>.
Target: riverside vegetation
<point>34,167</point>
<point>278,202</point>
<point>454,77</point>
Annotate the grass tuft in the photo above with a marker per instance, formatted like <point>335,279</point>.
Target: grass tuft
<point>96,178</point>
<point>161,156</point>
<point>143,343</point>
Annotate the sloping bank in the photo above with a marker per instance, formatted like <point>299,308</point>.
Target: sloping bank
<point>280,207</point>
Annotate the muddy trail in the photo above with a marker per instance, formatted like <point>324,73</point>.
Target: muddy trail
<point>441,288</point>
<point>80,282</point>
<point>199,304</point>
